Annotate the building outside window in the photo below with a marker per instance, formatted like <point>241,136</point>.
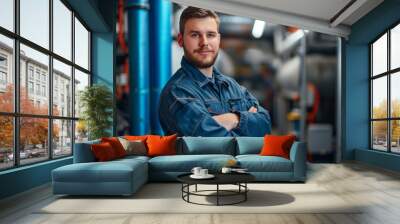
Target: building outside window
<point>3,78</point>
<point>30,72</point>
<point>43,90</point>
<point>37,75</point>
<point>33,75</point>
<point>43,78</point>
<point>3,61</point>
<point>3,72</point>
<point>385,91</point>
<point>30,87</point>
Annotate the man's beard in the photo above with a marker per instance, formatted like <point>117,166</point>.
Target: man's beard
<point>198,63</point>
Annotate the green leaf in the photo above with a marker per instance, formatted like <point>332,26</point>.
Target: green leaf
<point>96,102</point>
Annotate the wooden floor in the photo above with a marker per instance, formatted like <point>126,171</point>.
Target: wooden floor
<point>377,188</point>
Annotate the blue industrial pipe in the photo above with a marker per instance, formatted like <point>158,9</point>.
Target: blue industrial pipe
<point>160,55</point>
<point>138,44</point>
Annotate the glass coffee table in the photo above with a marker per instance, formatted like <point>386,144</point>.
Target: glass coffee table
<point>238,179</point>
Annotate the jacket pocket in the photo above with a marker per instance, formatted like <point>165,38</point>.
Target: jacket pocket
<point>214,107</point>
<point>237,104</point>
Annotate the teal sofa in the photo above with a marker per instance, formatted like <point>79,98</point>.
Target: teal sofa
<point>125,176</point>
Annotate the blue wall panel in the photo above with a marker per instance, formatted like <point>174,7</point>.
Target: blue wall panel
<point>103,59</point>
<point>24,178</point>
<point>377,158</point>
<point>357,100</point>
<point>357,85</point>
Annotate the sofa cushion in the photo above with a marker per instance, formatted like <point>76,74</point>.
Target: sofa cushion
<point>131,158</point>
<point>257,163</point>
<point>116,145</point>
<point>83,152</point>
<point>111,171</point>
<point>249,145</point>
<point>275,145</point>
<point>135,137</point>
<point>103,152</point>
<point>135,147</point>
<point>161,145</point>
<point>208,145</point>
<point>185,163</point>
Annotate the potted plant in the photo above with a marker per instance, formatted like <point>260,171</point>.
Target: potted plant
<point>96,104</point>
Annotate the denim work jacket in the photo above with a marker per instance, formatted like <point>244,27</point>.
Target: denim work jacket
<point>190,99</point>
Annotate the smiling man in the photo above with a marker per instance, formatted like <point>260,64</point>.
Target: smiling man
<point>200,101</point>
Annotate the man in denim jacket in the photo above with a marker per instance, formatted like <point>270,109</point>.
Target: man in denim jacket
<point>200,101</point>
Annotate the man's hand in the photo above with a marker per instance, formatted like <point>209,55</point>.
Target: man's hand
<point>228,120</point>
<point>253,110</point>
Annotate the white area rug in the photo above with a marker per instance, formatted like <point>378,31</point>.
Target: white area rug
<point>166,198</point>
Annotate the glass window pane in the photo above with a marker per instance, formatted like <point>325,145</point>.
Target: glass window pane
<point>34,78</point>
<point>81,81</point>
<point>62,29</point>
<point>81,131</point>
<point>81,45</point>
<point>35,21</point>
<point>379,135</point>
<point>7,14</point>
<point>395,135</point>
<point>395,94</point>
<point>33,140</point>
<point>379,97</point>
<point>6,74</point>
<point>62,89</point>
<point>6,142</point>
<point>379,55</point>
<point>395,47</point>
<point>62,138</point>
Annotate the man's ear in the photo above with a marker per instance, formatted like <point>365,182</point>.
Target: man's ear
<point>180,39</point>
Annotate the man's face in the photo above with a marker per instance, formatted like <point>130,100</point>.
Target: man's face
<point>200,41</point>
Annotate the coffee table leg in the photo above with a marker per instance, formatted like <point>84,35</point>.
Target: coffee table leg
<point>245,191</point>
<point>196,188</point>
<point>217,194</point>
<point>188,189</point>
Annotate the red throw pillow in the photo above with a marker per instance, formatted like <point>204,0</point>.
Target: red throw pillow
<point>103,151</point>
<point>161,145</point>
<point>277,145</point>
<point>116,145</point>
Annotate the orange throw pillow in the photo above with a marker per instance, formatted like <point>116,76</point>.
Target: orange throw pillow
<point>136,137</point>
<point>116,145</point>
<point>275,145</point>
<point>161,145</point>
<point>103,151</point>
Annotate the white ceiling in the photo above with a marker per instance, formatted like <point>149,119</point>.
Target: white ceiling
<point>325,16</point>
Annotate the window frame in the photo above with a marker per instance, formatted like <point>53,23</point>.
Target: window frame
<point>16,114</point>
<point>388,74</point>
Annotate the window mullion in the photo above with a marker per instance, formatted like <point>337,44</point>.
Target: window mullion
<point>73,82</point>
<point>389,76</point>
<point>371,89</point>
<point>16,84</point>
<point>50,81</point>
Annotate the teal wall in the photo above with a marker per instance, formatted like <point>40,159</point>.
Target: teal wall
<point>24,178</point>
<point>103,64</point>
<point>356,84</point>
<point>100,17</point>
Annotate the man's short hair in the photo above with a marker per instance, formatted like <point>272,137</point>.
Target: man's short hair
<point>198,13</point>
